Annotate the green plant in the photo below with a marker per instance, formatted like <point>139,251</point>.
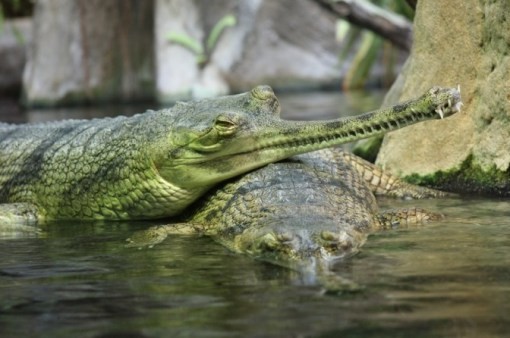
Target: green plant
<point>203,51</point>
<point>369,49</point>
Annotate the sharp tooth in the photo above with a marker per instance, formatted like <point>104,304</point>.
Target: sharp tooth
<point>440,112</point>
<point>458,88</point>
<point>449,102</point>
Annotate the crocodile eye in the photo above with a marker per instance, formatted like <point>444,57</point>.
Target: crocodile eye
<point>225,125</point>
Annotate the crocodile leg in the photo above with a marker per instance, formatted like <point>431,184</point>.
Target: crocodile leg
<point>18,219</point>
<point>404,217</point>
<point>384,183</point>
<point>18,214</point>
<point>152,236</point>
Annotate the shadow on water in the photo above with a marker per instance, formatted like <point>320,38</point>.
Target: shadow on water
<point>449,279</point>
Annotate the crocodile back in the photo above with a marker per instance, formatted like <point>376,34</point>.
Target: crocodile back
<point>306,195</point>
<point>78,169</point>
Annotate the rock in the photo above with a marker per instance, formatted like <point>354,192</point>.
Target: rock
<point>287,43</point>
<point>14,37</point>
<point>86,51</point>
<point>118,50</point>
<point>465,42</point>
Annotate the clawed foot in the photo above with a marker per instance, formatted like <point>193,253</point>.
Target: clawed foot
<point>147,238</point>
<point>157,234</point>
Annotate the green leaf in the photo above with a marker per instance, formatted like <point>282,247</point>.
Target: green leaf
<point>363,61</point>
<point>227,21</point>
<point>342,29</point>
<point>352,36</point>
<point>186,41</point>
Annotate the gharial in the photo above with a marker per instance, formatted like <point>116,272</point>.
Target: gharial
<point>306,212</point>
<point>154,165</point>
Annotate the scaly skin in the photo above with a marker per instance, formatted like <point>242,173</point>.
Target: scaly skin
<point>308,208</point>
<point>154,165</point>
<point>384,183</point>
<point>305,213</point>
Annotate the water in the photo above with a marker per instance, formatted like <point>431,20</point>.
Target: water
<point>446,279</point>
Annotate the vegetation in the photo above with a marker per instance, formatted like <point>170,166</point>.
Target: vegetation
<point>203,51</point>
<point>469,177</point>
<point>370,47</point>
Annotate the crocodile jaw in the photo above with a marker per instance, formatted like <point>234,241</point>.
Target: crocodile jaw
<point>274,139</point>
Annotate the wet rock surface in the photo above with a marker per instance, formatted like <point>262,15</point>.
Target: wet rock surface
<point>470,152</point>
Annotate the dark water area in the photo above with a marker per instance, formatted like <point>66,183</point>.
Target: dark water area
<point>447,279</point>
<point>450,278</point>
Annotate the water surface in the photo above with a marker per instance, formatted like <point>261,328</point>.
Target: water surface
<point>450,279</point>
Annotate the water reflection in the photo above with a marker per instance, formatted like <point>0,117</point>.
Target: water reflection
<point>445,279</point>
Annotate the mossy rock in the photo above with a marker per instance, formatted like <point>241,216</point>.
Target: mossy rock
<point>468,178</point>
<point>469,152</point>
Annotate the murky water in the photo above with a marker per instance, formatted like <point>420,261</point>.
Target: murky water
<point>446,279</point>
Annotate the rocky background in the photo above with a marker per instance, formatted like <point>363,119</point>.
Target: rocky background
<point>89,51</point>
<point>285,43</point>
<point>119,50</point>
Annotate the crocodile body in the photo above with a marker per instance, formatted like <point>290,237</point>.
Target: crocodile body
<point>311,206</point>
<point>156,164</point>
<point>305,212</point>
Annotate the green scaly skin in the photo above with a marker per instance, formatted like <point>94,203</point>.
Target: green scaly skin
<point>155,164</point>
<point>305,213</point>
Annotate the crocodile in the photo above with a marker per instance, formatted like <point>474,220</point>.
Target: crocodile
<point>154,165</point>
<point>305,213</point>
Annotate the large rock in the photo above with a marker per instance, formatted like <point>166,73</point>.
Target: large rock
<point>465,42</point>
<point>92,50</point>
<point>286,43</point>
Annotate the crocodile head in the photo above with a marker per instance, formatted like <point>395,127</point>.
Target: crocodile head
<point>215,139</point>
<point>299,243</point>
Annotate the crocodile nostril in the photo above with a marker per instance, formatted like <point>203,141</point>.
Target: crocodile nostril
<point>262,93</point>
<point>330,236</point>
